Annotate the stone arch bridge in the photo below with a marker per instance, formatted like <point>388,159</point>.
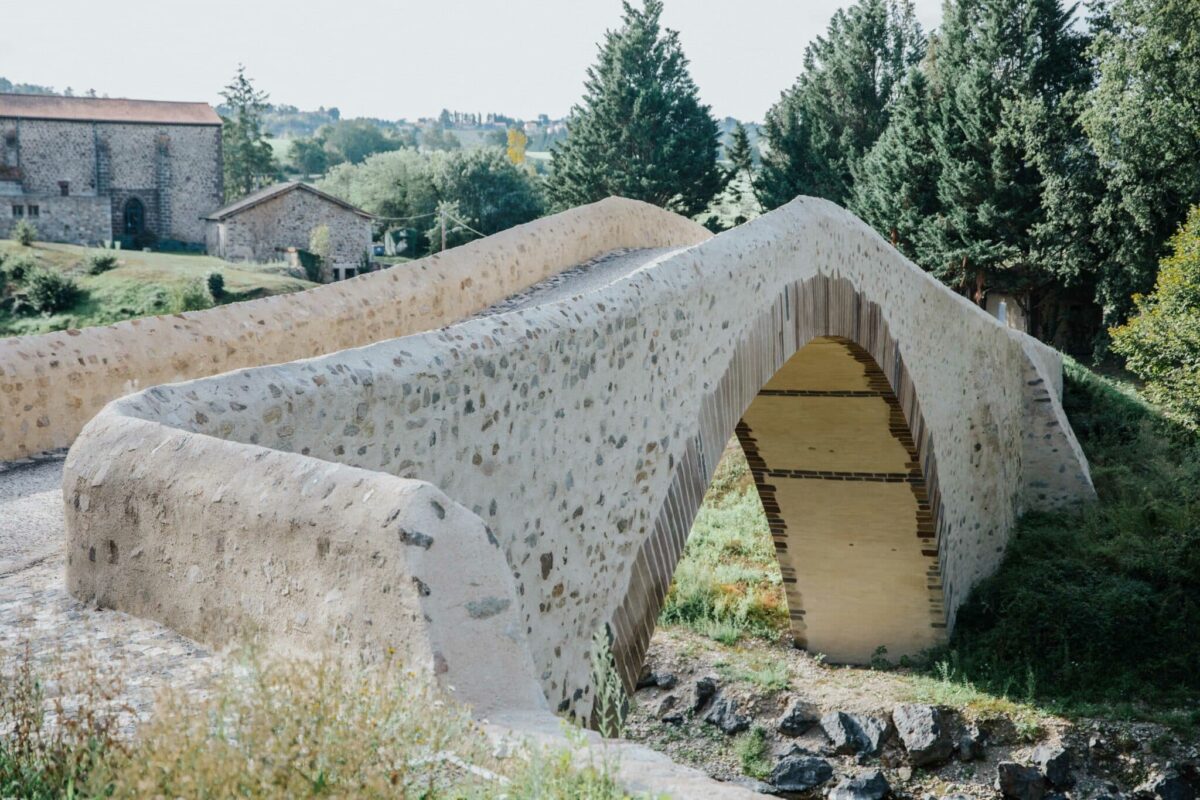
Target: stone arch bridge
<point>484,496</point>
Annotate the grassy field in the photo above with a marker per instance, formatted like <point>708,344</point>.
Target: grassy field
<point>1093,611</point>
<point>142,284</point>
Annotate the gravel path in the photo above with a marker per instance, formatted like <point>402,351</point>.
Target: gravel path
<point>37,613</point>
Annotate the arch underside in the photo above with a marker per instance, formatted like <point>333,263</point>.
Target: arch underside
<point>827,416</point>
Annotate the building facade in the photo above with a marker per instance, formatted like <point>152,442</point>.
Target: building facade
<point>87,170</point>
<point>263,226</point>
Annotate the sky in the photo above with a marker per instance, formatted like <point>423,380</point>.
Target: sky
<point>400,59</point>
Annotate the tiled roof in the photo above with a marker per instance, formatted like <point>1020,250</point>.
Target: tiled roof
<point>97,109</point>
<point>275,190</point>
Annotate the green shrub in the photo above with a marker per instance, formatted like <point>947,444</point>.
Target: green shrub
<point>191,296</point>
<point>24,233</point>
<point>216,285</point>
<point>100,262</point>
<point>1161,342</point>
<point>48,291</point>
<point>16,267</point>
<point>269,729</point>
<point>754,754</point>
<point>1100,603</point>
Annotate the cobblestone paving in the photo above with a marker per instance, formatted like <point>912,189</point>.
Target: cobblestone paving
<point>62,634</point>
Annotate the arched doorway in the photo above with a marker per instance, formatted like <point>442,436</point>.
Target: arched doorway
<point>134,217</point>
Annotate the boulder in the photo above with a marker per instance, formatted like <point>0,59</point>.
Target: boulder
<point>796,773</point>
<point>924,734</point>
<point>969,745</point>
<point>798,718</point>
<point>704,690</point>
<point>864,786</point>
<point>724,714</point>
<point>665,680</point>
<point>666,706</point>
<point>1054,761</point>
<point>855,733</point>
<point>649,678</point>
<point>1168,785</point>
<point>1019,781</point>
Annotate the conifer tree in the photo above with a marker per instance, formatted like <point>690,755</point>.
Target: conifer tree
<point>822,126</point>
<point>249,162</point>
<point>641,131</point>
<point>739,152</point>
<point>895,184</point>
<point>998,61</point>
<point>1143,120</point>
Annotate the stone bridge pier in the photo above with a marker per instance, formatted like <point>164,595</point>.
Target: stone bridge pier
<point>485,496</point>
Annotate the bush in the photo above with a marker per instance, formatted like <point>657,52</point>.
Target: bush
<point>215,282</point>
<point>191,296</point>
<point>16,267</point>
<point>43,759</point>
<point>48,291</point>
<point>1161,342</point>
<point>101,262</point>
<point>24,233</point>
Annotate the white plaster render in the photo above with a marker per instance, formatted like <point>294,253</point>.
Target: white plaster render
<point>299,499</point>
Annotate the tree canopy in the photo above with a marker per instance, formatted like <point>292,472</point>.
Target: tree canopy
<point>822,127</point>
<point>641,130</point>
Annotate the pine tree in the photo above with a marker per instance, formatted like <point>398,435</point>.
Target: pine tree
<point>248,158</point>
<point>997,61</point>
<point>895,184</point>
<point>822,126</point>
<point>739,152</point>
<point>641,131</point>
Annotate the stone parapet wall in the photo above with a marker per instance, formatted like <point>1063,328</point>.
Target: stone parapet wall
<point>51,385</point>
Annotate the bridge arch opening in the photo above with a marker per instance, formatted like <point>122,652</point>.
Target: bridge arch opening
<point>818,396</point>
<point>848,507</point>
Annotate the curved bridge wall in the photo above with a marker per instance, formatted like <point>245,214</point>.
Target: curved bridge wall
<point>581,434</point>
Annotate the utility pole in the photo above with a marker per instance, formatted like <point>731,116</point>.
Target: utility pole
<point>442,212</point>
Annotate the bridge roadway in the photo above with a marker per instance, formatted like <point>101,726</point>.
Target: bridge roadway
<point>35,609</point>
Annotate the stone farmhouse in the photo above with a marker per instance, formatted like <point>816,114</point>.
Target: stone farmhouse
<point>280,219</point>
<point>87,170</point>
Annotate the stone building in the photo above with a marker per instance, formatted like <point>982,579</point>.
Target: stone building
<point>264,225</point>
<point>86,170</point>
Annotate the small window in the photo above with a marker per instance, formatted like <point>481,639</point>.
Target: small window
<point>34,211</point>
<point>18,211</point>
<point>64,188</point>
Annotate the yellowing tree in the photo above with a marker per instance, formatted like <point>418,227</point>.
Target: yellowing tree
<point>516,146</point>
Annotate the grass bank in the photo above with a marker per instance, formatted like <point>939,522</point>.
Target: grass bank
<point>1094,611</point>
<point>1099,605</point>
<point>142,284</point>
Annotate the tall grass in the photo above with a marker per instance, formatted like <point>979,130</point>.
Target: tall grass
<point>727,583</point>
<point>270,729</point>
<point>1101,603</point>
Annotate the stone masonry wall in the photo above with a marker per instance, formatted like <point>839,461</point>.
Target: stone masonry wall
<point>175,170</point>
<point>261,232</point>
<point>78,219</point>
